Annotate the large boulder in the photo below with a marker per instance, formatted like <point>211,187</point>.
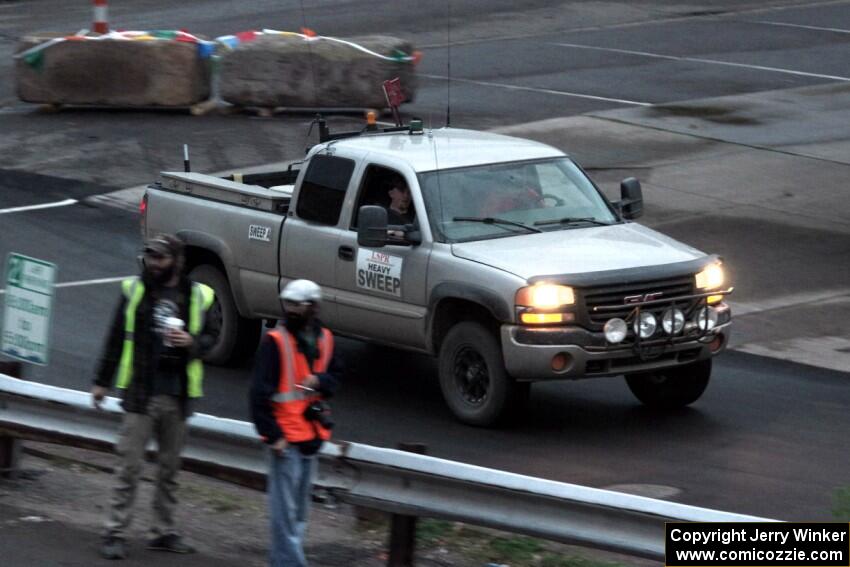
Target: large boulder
<point>278,70</point>
<point>112,72</point>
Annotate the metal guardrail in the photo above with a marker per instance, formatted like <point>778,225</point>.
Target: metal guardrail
<point>385,479</point>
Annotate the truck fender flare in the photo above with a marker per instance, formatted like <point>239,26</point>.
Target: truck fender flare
<point>223,252</point>
<point>498,308</point>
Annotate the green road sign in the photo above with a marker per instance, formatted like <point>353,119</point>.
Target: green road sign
<point>27,303</point>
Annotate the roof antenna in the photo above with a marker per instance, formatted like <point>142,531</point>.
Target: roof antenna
<point>449,65</point>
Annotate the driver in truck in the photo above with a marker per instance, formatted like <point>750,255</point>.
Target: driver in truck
<point>400,210</point>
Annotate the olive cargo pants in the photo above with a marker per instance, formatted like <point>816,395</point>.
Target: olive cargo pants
<point>166,423</point>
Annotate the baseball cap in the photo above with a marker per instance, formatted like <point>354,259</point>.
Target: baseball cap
<point>160,246</point>
<point>301,291</point>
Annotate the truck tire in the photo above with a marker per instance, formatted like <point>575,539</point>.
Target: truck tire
<point>671,388</point>
<point>473,379</point>
<point>236,336</point>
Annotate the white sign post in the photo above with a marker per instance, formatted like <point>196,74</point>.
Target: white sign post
<point>26,308</point>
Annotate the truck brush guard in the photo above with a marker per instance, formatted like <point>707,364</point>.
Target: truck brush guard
<point>649,335</point>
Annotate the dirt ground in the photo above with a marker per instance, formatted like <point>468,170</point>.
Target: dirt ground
<point>72,486</point>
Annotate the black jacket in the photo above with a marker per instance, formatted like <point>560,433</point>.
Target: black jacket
<point>266,380</point>
<point>135,396</point>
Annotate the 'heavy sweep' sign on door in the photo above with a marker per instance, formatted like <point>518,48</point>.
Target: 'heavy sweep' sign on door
<point>378,271</point>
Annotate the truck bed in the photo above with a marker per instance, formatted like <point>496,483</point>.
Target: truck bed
<point>241,223</point>
<point>271,192</point>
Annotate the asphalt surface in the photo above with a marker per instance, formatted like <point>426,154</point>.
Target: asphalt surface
<point>515,62</point>
<point>71,546</point>
<point>762,427</point>
<point>740,174</point>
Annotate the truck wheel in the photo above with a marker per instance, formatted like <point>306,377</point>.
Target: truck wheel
<point>473,379</point>
<point>671,388</point>
<point>236,336</point>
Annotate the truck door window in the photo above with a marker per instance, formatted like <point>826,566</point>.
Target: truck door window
<point>323,189</point>
<point>386,188</point>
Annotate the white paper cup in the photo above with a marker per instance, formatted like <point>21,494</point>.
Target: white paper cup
<point>172,324</point>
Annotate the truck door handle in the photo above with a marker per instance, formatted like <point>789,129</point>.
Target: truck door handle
<point>346,253</point>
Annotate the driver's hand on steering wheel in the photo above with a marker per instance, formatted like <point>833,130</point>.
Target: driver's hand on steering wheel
<point>536,197</point>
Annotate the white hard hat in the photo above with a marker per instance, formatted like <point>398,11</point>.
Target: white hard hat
<point>299,291</point>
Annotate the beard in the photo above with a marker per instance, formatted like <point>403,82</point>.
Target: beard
<point>159,277</point>
<point>295,322</point>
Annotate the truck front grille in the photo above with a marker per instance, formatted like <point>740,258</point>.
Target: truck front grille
<point>616,295</point>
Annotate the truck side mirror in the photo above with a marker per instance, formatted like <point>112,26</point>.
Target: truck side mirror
<point>372,226</point>
<point>631,198</point>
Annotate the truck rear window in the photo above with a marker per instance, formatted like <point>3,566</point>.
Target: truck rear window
<point>323,189</point>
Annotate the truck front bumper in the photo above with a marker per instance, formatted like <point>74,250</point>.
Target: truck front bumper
<point>572,353</point>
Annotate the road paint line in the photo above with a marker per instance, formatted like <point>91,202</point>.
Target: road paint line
<point>703,60</point>
<point>615,50</point>
<point>786,301</point>
<point>824,352</point>
<point>669,19</point>
<point>17,109</point>
<point>85,282</point>
<point>537,90</point>
<point>64,203</point>
<point>818,28</point>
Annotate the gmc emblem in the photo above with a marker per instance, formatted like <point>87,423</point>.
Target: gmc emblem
<point>641,298</point>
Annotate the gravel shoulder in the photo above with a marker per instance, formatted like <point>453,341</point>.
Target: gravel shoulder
<point>61,496</point>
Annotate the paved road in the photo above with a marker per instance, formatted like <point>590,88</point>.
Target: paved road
<point>513,62</point>
<point>762,427</point>
<point>739,170</point>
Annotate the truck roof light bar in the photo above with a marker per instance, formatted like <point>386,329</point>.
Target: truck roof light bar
<point>325,134</point>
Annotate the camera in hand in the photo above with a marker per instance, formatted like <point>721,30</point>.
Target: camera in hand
<point>320,412</point>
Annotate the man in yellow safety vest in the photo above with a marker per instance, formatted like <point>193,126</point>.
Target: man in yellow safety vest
<point>153,354</point>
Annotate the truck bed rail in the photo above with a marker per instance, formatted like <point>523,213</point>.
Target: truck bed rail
<point>226,190</point>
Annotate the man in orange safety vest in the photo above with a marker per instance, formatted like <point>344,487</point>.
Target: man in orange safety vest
<point>294,374</point>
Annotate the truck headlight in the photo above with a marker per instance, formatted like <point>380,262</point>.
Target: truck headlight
<point>544,303</point>
<point>711,277</point>
<point>545,296</point>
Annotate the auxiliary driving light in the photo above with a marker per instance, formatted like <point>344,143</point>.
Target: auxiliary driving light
<point>673,321</point>
<point>615,330</point>
<point>707,319</point>
<point>645,325</point>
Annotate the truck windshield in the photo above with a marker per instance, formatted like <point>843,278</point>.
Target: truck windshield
<point>552,194</point>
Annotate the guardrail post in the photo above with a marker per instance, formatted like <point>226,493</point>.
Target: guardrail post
<point>10,447</point>
<point>402,527</point>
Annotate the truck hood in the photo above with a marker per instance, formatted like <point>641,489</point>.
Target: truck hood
<point>578,251</point>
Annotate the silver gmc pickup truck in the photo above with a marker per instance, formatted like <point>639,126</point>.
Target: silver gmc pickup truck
<point>509,264</point>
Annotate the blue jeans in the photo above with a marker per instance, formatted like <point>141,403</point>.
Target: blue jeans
<point>289,487</point>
